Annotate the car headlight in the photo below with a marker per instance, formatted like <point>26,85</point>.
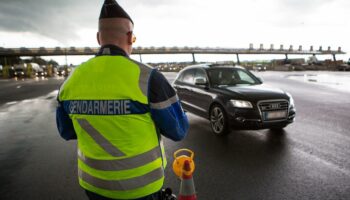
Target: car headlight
<point>241,104</point>
<point>291,100</point>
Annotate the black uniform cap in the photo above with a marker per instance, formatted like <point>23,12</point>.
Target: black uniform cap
<point>111,9</point>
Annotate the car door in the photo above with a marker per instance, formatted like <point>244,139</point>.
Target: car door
<point>178,85</point>
<point>201,97</point>
<point>183,86</point>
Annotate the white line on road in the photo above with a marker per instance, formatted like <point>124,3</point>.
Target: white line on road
<point>330,165</point>
<point>11,103</point>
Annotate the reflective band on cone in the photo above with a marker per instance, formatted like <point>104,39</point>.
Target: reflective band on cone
<point>187,189</point>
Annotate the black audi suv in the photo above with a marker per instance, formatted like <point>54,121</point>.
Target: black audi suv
<point>231,97</point>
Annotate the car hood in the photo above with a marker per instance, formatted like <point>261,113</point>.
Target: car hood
<point>255,92</point>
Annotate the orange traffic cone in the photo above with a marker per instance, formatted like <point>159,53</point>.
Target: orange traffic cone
<point>187,190</point>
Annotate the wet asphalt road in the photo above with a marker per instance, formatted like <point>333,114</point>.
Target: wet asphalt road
<point>12,90</point>
<point>309,160</point>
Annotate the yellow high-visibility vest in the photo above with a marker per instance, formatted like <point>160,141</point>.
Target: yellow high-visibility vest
<point>120,154</point>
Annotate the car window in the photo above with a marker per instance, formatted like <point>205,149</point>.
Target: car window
<point>244,77</point>
<point>200,73</point>
<point>188,76</point>
<point>180,77</point>
<point>230,76</point>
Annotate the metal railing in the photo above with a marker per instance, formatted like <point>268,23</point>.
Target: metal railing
<point>58,51</point>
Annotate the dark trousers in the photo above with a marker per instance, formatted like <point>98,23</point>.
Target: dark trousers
<point>94,196</point>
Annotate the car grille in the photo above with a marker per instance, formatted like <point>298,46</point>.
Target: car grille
<point>269,106</point>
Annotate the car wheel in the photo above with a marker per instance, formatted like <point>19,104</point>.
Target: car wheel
<point>218,120</point>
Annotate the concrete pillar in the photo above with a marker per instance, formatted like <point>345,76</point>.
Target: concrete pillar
<point>281,47</point>
<point>251,46</point>
<point>261,47</point>
<point>6,71</point>
<point>300,48</point>
<point>271,47</point>
<point>329,48</point>
<point>238,61</point>
<point>339,49</point>
<point>314,59</point>
<point>291,48</point>
<point>311,48</point>
<point>193,58</point>
<point>320,48</point>
<point>140,57</point>
<point>65,56</point>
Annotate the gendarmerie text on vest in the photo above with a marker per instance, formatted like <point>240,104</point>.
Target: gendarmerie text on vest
<point>100,107</point>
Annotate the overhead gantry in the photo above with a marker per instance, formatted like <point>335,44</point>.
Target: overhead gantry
<point>58,51</point>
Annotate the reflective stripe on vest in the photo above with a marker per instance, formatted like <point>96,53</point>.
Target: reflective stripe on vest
<point>123,185</point>
<point>145,73</point>
<point>99,139</point>
<point>165,104</point>
<point>121,164</point>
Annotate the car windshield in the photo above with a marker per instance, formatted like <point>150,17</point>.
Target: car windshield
<point>231,76</point>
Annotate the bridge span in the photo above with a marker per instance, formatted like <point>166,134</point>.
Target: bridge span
<point>59,51</point>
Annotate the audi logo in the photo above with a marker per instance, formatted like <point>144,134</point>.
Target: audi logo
<point>275,106</point>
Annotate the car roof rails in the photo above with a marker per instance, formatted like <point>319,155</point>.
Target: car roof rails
<point>221,65</point>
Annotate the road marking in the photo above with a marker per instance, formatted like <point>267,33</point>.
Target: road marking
<point>11,103</point>
<point>322,161</point>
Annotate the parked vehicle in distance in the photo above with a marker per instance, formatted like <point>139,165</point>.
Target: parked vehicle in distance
<point>233,98</point>
<point>259,67</point>
<point>11,72</point>
<point>62,70</point>
<point>42,71</point>
<point>19,70</point>
<point>37,70</point>
<point>22,70</point>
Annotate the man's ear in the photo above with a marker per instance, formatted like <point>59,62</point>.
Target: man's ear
<point>98,38</point>
<point>129,38</point>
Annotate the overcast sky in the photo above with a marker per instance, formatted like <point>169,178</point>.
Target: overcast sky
<point>203,23</point>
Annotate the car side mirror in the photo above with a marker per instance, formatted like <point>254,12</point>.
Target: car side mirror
<point>260,79</point>
<point>200,81</point>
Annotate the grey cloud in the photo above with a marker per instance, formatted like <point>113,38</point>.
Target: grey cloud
<point>58,20</point>
<point>150,2</point>
<point>297,13</point>
<point>61,19</point>
<point>303,5</point>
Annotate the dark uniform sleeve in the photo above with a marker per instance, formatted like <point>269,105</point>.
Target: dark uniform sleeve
<point>166,109</point>
<point>64,123</point>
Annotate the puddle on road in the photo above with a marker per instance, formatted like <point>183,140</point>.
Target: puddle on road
<point>7,107</point>
<point>326,79</point>
<point>11,103</point>
<point>337,81</point>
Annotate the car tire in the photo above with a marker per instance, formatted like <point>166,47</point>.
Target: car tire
<point>218,120</point>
